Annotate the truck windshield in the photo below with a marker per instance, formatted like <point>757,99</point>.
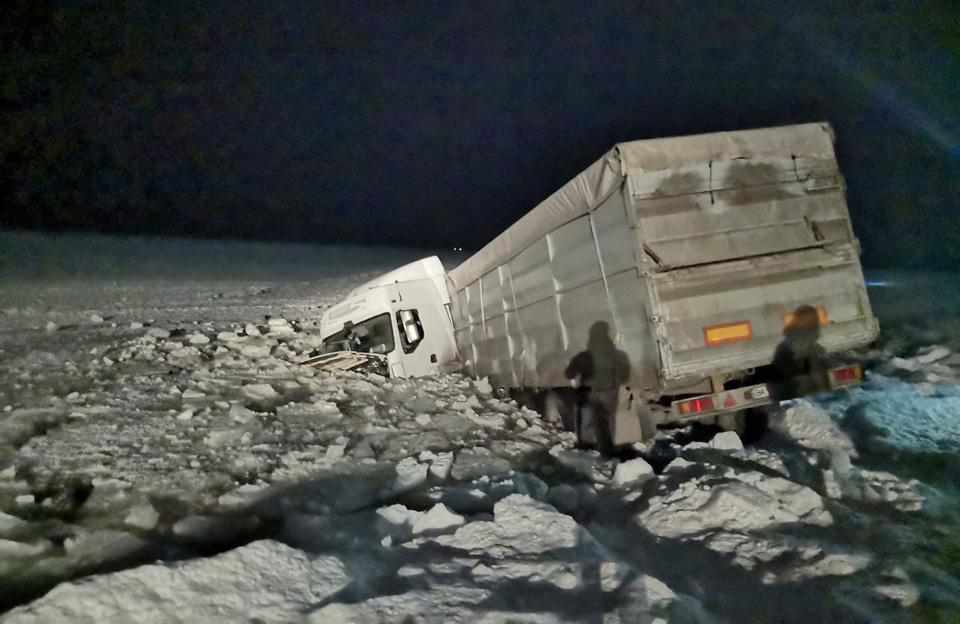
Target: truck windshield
<point>374,335</point>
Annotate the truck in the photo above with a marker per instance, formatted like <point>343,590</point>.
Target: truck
<point>691,278</point>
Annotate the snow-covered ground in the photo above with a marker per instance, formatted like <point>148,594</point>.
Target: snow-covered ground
<point>164,458</point>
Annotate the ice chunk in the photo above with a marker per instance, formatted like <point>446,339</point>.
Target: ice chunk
<point>749,551</point>
<point>335,451</point>
<point>678,465</point>
<point>751,502</point>
<point>25,500</point>
<point>423,420</point>
<point>328,409</point>
<point>191,394</point>
<point>244,495</point>
<point>185,353</point>
<point>102,546</point>
<point>251,330</point>
<point>409,571</point>
<point>797,499</point>
<point>489,420</point>
<point>831,486</point>
<point>441,466</point>
<point>410,475</point>
<point>470,465</point>
<point>51,327</point>
<point>764,458</point>
<point>521,526</point>
<point>9,524</point>
<point>832,564</point>
<point>186,414</point>
<point>142,517</point>
<point>240,414</point>
<point>396,521</point>
<point>280,327</point>
<point>198,339</point>
<point>636,471</point>
<point>436,521</point>
<point>589,464</point>
<point>219,438</point>
<point>255,352</point>
<point>932,354</point>
<point>482,387</point>
<point>158,333</point>
<point>909,365</point>
<point>96,319</point>
<point>263,581</point>
<point>726,441</point>
<point>904,594</point>
<point>811,427</point>
<point>19,550</point>
<point>844,480</point>
<point>260,392</point>
<point>24,423</point>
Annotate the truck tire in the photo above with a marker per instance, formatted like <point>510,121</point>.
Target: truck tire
<point>560,408</point>
<point>733,421</point>
<point>756,424</point>
<point>750,424</point>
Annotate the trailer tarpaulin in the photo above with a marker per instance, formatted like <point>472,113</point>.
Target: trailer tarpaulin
<point>641,159</point>
<point>576,197</point>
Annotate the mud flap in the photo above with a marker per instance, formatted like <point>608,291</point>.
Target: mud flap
<point>613,418</point>
<point>632,420</point>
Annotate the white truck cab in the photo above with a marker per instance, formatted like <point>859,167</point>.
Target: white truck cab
<point>402,316</point>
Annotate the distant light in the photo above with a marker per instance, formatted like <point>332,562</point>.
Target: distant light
<point>880,284</point>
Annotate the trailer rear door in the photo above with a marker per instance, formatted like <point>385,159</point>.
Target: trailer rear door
<point>731,316</point>
<point>734,247</point>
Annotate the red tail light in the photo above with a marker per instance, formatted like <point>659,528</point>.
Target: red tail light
<point>696,406</point>
<point>846,374</point>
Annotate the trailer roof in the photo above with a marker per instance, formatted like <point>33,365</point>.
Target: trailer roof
<point>591,187</point>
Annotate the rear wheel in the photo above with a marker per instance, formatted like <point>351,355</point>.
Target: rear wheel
<point>560,408</point>
<point>750,424</point>
<point>757,422</point>
<point>733,421</point>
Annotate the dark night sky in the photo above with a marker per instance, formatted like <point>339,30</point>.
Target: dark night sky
<point>440,123</point>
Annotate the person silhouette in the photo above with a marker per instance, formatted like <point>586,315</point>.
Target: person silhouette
<point>800,362</point>
<point>597,373</point>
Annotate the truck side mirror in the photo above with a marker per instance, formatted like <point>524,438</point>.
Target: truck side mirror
<point>411,331</point>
